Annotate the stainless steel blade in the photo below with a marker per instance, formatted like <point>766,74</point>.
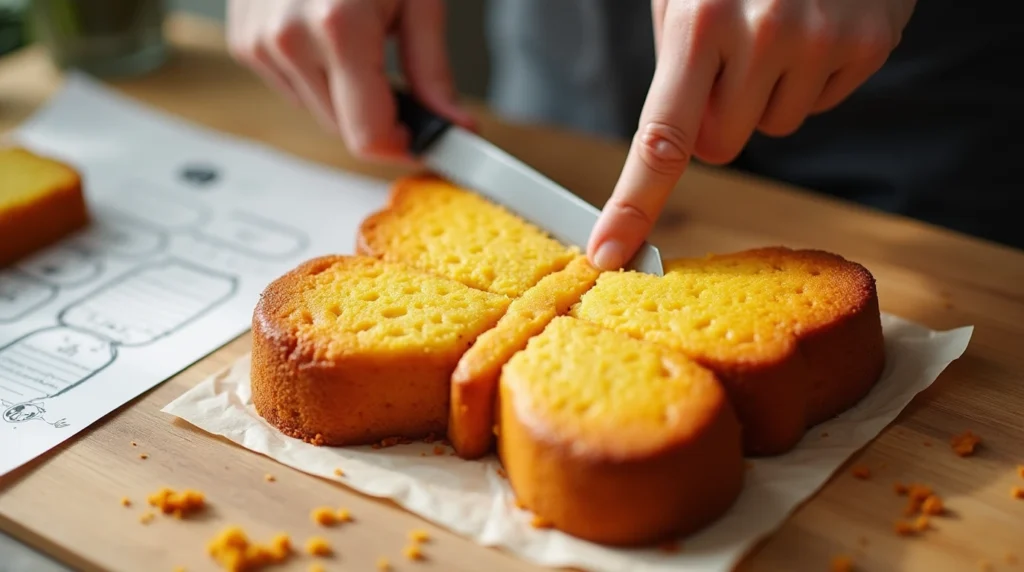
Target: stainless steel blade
<point>473,162</point>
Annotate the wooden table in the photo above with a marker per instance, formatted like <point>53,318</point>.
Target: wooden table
<point>67,505</point>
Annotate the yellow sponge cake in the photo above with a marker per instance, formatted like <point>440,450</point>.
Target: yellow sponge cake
<point>795,335</point>
<point>616,440</point>
<point>353,350</point>
<point>475,381</point>
<point>41,201</point>
<point>440,228</point>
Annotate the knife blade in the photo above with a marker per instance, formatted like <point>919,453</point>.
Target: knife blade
<point>471,161</point>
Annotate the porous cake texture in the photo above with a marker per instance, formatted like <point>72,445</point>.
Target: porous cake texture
<point>794,335</point>
<point>616,440</point>
<point>440,228</point>
<point>353,350</point>
<point>41,201</point>
<point>475,381</point>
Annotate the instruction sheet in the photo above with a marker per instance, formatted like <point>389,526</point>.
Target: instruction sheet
<point>188,227</point>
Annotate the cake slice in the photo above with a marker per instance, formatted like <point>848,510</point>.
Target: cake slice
<point>41,201</point>
<point>615,440</point>
<point>440,228</point>
<point>475,381</point>
<point>794,335</point>
<point>354,350</point>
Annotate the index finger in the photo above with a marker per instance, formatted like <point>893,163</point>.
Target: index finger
<point>662,146</point>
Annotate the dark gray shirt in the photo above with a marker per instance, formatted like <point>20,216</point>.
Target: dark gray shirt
<point>934,135</point>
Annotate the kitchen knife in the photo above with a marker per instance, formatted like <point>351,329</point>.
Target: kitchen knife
<point>470,161</point>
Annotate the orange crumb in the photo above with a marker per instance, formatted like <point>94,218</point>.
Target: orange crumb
<point>125,501</point>
<point>900,488</point>
<point>1017,493</point>
<point>413,552</point>
<point>318,546</point>
<point>904,528</point>
<point>932,505</point>
<point>964,445</point>
<point>419,536</point>
<point>921,524</point>
<point>842,563</point>
<point>147,517</point>
<point>344,515</point>
<point>438,450</point>
<point>861,472</point>
<point>269,478</point>
<point>324,516</point>
<point>671,547</point>
<point>339,473</point>
<point>383,565</point>
<point>501,473</point>
<point>539,522</point>
<point>180,504</point>
<point>234,551</point>
<point>143,456</point>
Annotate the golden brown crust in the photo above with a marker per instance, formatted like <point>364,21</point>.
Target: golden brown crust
<point>475,381</point>
<point>352,399</point>
<point>612,492</point>
<point>25,229</point>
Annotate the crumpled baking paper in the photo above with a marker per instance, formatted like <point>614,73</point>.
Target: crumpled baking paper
<point>472,499</point>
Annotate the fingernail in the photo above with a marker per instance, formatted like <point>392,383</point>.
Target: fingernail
<point>610,255</point>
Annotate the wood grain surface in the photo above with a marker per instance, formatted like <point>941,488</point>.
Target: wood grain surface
<point>67,503</point>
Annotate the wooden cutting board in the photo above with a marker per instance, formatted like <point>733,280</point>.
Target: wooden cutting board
<point>68,502</point>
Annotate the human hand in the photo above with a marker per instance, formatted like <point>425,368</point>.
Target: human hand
<point>725,69</point>
<point>328,56</point>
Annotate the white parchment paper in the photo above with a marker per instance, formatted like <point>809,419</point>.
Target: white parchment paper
<point>470,498</point>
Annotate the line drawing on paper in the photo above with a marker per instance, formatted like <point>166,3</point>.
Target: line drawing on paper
<point>21,294</point>
<point>145,304</point>
<point>255,236</point>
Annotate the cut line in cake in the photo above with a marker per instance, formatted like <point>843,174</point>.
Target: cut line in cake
<point>144,305</point>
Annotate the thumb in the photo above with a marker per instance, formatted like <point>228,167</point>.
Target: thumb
<point>425,59</point>
<point>660,151</point>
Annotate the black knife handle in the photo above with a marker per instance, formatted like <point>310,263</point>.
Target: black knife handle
<point>424,125</point>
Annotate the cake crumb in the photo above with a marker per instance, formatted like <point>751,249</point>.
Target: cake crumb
<point>861,472</point>
<point>143,456</point>
<point>339,473</point>
<point>502,473</point>
<point>324,516</point>
<point>438,450</point>
<point>125,501</point>
<point>180,504</point>
<point>318,546</point>
<point>147,517</point>
<point>383,565</point>
<point>842,563</point>
<point>539,522</point>
<point>344,515</point>
<point>964,445</point>
<point>904,528</point>
<point>269,478</point>
<point>419,536</point>
<point>932,505</point>
<point>413,552</point>
<point>1017,493</point>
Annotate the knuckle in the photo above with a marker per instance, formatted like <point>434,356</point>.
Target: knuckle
<point>664,148</point>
